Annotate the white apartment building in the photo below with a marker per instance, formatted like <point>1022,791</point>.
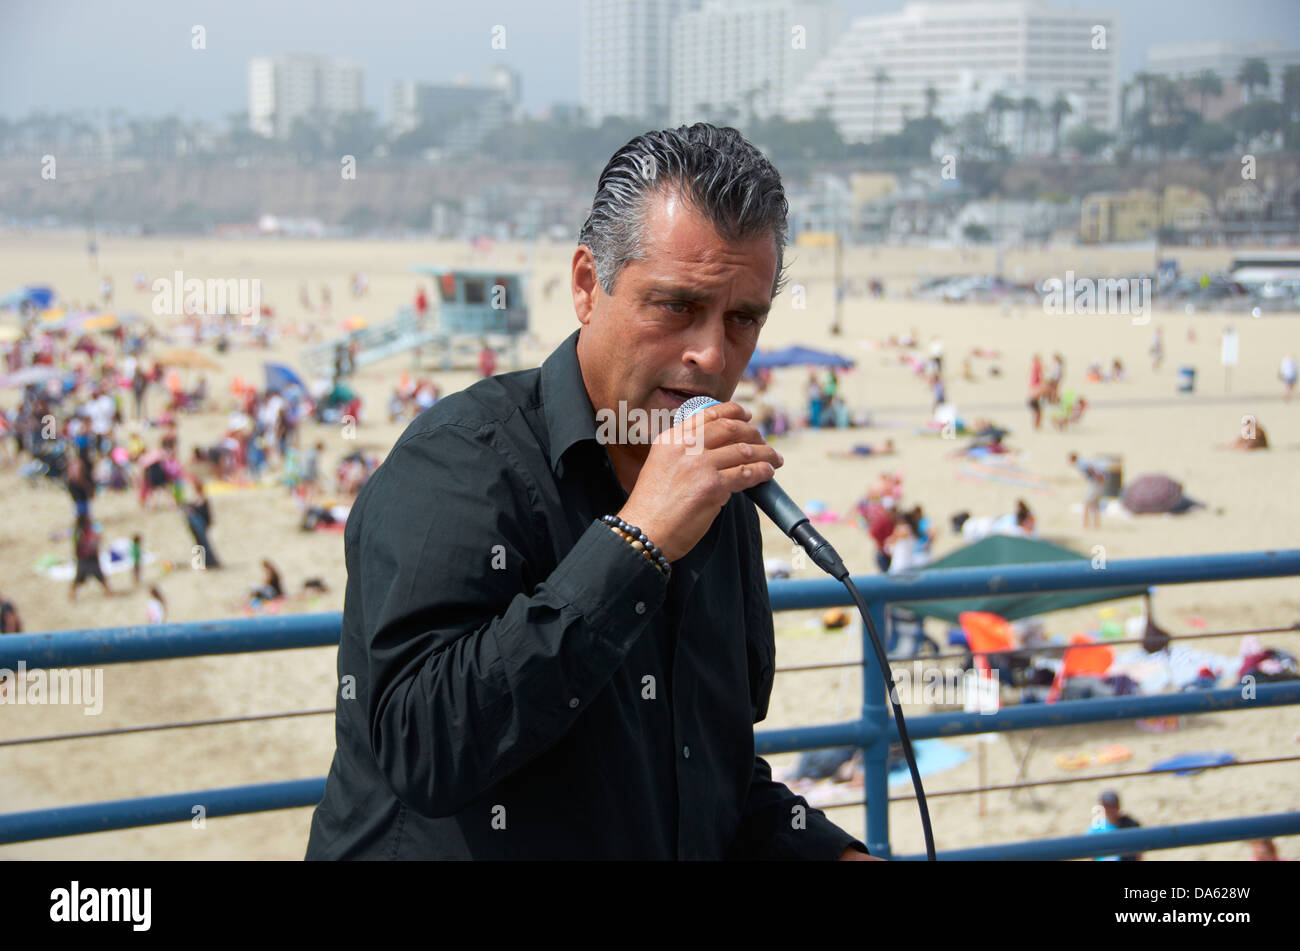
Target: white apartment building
<point>746,56</point>
<point>293,86</point>
<point>624,58</point>
<point>1225,58</point>
<point>967,51</point>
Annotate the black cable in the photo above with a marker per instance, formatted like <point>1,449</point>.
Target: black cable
<point>825,557</point>
<point>898,711</point>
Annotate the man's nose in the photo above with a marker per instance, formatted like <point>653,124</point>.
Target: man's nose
<point>708,346</point>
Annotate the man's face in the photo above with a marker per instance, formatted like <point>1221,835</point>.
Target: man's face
<point>682,321</point>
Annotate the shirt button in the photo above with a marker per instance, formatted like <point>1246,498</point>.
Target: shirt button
<point>686,751</point>
<point>573,703</point>
<point>640,607</point>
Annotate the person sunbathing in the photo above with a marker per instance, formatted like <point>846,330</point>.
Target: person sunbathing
<point>885,448</point>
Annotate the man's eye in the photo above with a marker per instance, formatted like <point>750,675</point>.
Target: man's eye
<point>685,308</point>
<point>744,320</point>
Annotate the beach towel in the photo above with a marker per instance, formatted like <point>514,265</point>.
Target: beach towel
<point>1189,764</point>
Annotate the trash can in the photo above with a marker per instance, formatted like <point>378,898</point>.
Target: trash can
<point>1113,467</point>
<point>1186,379</point>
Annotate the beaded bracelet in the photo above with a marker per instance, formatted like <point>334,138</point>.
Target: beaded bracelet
<point>637,539</point>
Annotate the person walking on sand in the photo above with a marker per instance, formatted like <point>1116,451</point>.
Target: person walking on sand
<point>85,541</point>
<point>1036,390</point>
<point>1157,349</point>
<point>198,516</point>
<point>1096,484</point>
<point>1288,374</point>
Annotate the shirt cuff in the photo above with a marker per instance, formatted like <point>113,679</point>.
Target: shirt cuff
<point>610,582</point>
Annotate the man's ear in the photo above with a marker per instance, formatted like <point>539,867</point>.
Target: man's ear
<point>585,286</point>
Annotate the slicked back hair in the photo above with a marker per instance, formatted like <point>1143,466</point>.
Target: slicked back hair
<point>731,183</point>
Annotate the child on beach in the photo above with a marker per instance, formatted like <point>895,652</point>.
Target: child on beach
<point>137,555</point>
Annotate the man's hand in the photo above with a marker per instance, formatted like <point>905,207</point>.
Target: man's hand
<point>851,854</point>
<point>691,471</point>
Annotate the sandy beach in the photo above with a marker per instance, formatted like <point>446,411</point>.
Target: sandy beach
<point>1250,504</point>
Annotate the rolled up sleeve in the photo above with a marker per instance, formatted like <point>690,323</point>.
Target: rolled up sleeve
<point>476,664</point>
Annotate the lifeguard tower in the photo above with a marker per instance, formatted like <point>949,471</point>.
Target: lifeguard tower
<point>472,307</point>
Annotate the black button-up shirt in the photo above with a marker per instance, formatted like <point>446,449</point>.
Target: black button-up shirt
<point>515,681</point>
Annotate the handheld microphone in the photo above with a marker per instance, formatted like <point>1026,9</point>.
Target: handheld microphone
<point>779,507</point>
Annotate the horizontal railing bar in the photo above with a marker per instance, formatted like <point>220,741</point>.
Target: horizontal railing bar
<point>1123,841</point>
<point>124,730</point>
<point>154,810</point>
<point>118,645</point>
<point>1043,577</point>
<point>96,646</point>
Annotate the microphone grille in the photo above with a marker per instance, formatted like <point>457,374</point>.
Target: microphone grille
<point>691,407</point>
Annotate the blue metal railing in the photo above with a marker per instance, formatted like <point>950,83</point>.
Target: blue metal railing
<point>872,732</point>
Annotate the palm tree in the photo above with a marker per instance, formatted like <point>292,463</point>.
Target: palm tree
<point>998,105</point>
<point>1254,72</point>
<point>1167,103</point>
<point>878,79</point>
<point>1291,105</point>
<point>1029,107</point>
<point>1059,109</point>
<point>931,97</point>
<point>1207,83</point>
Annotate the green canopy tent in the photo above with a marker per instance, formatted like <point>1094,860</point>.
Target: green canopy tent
<point>1013,550</point>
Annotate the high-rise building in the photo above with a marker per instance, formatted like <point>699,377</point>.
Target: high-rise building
<point>1224,57</point>
<point>624,60</point>
<point>878,76</point>
<point>463,112</point>
<point>282,89</point>
<point>734,58</point>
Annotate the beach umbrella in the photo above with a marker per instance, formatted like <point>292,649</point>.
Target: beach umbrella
<point>51,314</point>
<point>280,377</point>
<point>355,322</point>
<point>40,296</point>
<point>1010,550</point>
<point>99,322</point>
<point>1151,493</point>
<point>188,359</point>
<point>30,375</point>
<point>798,356</point>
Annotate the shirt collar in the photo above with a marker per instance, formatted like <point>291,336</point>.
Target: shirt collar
<point>570,418</point>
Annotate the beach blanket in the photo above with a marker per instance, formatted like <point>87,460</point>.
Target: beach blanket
<point>1176,667</point>
<point>932,756</point>
<point>1003,474</point>
<point>1190,763</point>
<point>113,560</point>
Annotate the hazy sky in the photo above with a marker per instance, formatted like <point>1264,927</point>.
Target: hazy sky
<point>136,54</point>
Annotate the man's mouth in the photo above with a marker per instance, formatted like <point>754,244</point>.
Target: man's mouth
<point>678,397</point>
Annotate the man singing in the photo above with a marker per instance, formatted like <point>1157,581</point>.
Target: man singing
<point>556,644</point>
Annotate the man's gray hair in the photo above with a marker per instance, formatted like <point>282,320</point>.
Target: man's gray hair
<point>729,182</point>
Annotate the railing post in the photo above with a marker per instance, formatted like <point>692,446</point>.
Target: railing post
<point>875,758</point>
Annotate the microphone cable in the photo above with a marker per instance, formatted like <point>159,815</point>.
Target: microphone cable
<point>829,560</point>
